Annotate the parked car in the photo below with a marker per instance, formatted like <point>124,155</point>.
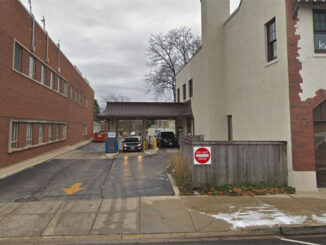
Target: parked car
<point>167,139</point>
<point>132,144</point>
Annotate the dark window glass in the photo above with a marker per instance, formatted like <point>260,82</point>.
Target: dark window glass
<point>178,95</point>
<point>18,57</point>
<point>167,135</point>
<point>271,40</point>
<point>230,134</point>
<point>190,88</point>
<point>184,91</point>
<point>320,30</point>
<point>131,140</point>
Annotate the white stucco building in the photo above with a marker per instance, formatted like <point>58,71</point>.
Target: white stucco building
<point>260,75</point>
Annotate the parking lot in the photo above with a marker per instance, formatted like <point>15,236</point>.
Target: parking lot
<point>86,173</point>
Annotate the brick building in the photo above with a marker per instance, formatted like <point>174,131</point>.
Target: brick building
<point>45,103</point>
<point>260,76</point>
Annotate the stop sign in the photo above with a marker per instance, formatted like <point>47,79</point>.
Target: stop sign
<point>202,155</point>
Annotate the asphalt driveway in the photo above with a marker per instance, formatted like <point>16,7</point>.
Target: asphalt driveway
<point>87,174</point>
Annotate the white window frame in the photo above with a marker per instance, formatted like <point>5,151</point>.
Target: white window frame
<point>64,131</point>
<point>14,135</point>
<point>58,84</point>
<point>31,70</point>
<point>65,88</point>
<point>43,74</point>
<point>51,79</point>
<point>40,133</point>
<point>71,93</point>
<point>76,96</point>
<point>18,57</point>
<point>50,133</point>
<point>29,134</point>
<point>57,131</point>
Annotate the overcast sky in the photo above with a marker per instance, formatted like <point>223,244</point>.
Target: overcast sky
<point>107,39</point>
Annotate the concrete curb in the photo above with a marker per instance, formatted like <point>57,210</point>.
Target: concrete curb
<point>174,186</point>
<point>21,166</point>
<point>112,155</point>
<point>303,230</point>
<point>171,237</point>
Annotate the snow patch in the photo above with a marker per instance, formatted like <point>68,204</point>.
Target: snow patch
<point>264,215</point>
<point>319,219</point>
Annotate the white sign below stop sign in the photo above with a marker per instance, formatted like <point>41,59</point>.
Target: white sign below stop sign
<point>202,155</point>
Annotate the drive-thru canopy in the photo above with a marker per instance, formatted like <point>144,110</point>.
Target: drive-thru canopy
<point>146,110</point>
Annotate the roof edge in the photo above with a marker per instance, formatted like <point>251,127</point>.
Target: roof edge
<point>233,13</point>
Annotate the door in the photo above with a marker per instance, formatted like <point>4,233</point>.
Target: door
<point>320,144</point>
<point>320,152</point>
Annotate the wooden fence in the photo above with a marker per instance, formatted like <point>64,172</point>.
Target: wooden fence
<point>237,162</point>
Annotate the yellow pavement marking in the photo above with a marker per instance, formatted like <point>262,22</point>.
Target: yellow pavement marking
<point>74,188</point>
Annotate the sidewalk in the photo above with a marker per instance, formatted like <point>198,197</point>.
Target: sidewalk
<point>163,217</point>
<point>18,167</point>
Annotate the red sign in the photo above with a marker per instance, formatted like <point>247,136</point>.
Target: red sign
<point>202,155</point>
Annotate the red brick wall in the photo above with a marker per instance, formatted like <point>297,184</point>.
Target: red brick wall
<point>24,99</point>
<point>302,130</point>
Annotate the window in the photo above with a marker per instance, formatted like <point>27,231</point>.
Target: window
<point>64,131</point>
<point>86,101</point>
<point>58,87</point>
<point>50,132</point>
<point>80,98</point>
<point>320,30</point>
<point>14,135</point>
<point>188,127</point>
<point>184,92</point>
<point>29,134</point>
<point>31,73</point>
<point>65,88</point>
<point>43,74</point>
<point>18,57</point>
<point>40,133</point>
<point>51,79</point>
<point>178,95</point>
<point>57,131</point>
<point>230,134</point>
<point>71,92</point>
<point>76,96</point>
<point>190,88</point>
<point>271,40</point>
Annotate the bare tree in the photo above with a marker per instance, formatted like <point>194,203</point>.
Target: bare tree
<point>168,53</point>
<point>114,98</point>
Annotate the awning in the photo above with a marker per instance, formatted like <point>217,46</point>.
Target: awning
<point>146,110</point>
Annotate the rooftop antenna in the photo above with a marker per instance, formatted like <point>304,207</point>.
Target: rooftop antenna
<point>30,5</point>
<point>43,21</point>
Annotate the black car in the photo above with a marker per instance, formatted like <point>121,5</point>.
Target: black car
<point>132,144</point>
<point>167,139</point>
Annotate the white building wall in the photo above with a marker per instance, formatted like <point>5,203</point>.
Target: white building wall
<point>257,92</point>
<point>312,63</point>
<point>206,69</point>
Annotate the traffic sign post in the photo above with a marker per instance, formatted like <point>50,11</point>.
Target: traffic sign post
<point>202,155</point>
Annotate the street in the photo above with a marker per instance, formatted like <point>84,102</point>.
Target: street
<point>86,174</point>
